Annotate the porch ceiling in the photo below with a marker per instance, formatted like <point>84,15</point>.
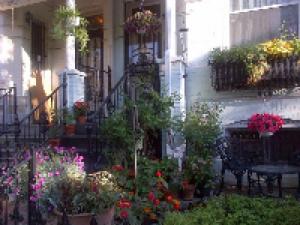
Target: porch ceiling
<point>8,4</point>
<point>86,7</point>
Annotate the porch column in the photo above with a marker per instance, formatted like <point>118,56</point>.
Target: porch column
<point>170,35</point>
<point>70,43</point>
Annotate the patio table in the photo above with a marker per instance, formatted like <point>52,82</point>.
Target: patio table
<point>272,172</point>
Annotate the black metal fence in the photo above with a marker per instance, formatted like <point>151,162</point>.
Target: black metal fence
<point>278,73</point>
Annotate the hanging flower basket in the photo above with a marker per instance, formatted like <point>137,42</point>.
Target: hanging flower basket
<point>265,124</point>
<point>142,22</point>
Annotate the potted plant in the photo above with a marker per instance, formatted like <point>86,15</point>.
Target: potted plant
<point>69,22</point>
<point>55,130</point>
<point>265,124</point>
<point>61,184</point>
<point>70,123</point>
<point>80,110</point>
<point>197,174</point>
<point>142,22</point>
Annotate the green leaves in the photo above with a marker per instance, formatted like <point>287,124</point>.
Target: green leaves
<point>64,24</point>
<point>240,210</point>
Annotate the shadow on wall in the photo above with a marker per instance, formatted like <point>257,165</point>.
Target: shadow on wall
<point>37,95</point>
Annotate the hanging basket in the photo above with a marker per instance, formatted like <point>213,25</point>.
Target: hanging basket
<point>142,22</point>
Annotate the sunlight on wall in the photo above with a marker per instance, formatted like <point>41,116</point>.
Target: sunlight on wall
<point>26,71</point>
<point>208,28</point>
<point>6,49</point>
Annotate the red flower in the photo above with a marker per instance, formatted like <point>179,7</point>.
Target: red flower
<point>158,173</point>
<point>117,168</point>
<point>151,196</point>
<point>124,203</point>
<point>265,123</point>
<point>124,214</point>
<point>176,206</point>
<point>169,198</point>
<point>156,202</point>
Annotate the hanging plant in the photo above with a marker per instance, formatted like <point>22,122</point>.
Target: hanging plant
<point>69,22</point>
<point>142,22</point>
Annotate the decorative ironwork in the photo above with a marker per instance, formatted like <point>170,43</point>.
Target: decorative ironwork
<point>282,73</point>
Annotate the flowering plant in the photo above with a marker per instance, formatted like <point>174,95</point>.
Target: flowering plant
<point>265,122</point>
<point>140,201</point>
<point>80,108</point>
<point>142,22</point>
<point>14,178</point>
<point>61,183</point>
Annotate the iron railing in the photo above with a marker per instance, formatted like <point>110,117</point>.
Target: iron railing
<point>278,73</point>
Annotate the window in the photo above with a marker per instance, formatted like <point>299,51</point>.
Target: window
<point>238,5</point>
<point>253,21</point>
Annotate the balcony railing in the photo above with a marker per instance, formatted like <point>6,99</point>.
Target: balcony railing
<point>278,74</point>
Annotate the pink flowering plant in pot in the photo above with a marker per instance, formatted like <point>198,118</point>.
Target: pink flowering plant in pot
<point>61,183</point>
<point>265,123</point>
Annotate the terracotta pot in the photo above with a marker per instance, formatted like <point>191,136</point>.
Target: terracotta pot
<point>105,218</point>
<point>70,129</point>
<point>82,119</point>
<point>188,191</point>
<point>54,142</point>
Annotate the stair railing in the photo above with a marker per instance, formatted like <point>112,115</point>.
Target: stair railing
<point>33,127</point>
<point>8,108</point>
<point>98,80</point>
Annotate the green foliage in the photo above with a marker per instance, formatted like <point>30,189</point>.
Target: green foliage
<point>118,137</point>
<point>64,25</point>
<point>61,182</point>
<point>255,58</point>
<point>240,210</point>
<point>154,110</point>
<point>201,126</point>
<point>198,169</point>
<point>147,168</point>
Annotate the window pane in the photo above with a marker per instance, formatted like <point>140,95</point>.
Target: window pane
<point>237,5</point>
<point>256,26</point>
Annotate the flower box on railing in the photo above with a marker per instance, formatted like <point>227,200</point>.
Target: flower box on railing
<point>276,73</point>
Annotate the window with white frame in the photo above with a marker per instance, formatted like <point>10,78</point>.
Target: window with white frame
<point>253,21</point>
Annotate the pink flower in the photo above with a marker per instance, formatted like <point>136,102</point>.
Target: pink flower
<point>50,174</point>
<point>33,198</point>
<point>151,196</point>
<point>124,214</point>
<point>57,173</point>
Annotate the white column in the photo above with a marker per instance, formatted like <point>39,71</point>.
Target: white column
<point>170,34</point>
<point>70,43</point>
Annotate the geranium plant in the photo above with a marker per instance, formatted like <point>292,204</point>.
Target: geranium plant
<point>263,123</point>
<point>80,108</point>
<point>142,22</point>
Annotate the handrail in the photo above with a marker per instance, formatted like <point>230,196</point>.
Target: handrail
<point>108,97</point>
<point>42,103</point>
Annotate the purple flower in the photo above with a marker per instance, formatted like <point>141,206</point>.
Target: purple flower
<point>33,198</point>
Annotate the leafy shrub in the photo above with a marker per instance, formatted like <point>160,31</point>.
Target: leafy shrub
<point>240,210</point>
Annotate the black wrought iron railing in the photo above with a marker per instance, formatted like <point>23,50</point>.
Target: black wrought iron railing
<point>95,84</point>
<point>276,73</point>
<point>8,110</point>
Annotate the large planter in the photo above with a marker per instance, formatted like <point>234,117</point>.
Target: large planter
<point>70,129</point>
<point>105,218</point>
<point>82,119</point>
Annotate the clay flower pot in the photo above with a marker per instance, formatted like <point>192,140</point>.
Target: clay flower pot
<point>104,218</point>
<point>188,190</point>
<point>82,119</point>
<point>70,129</point>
